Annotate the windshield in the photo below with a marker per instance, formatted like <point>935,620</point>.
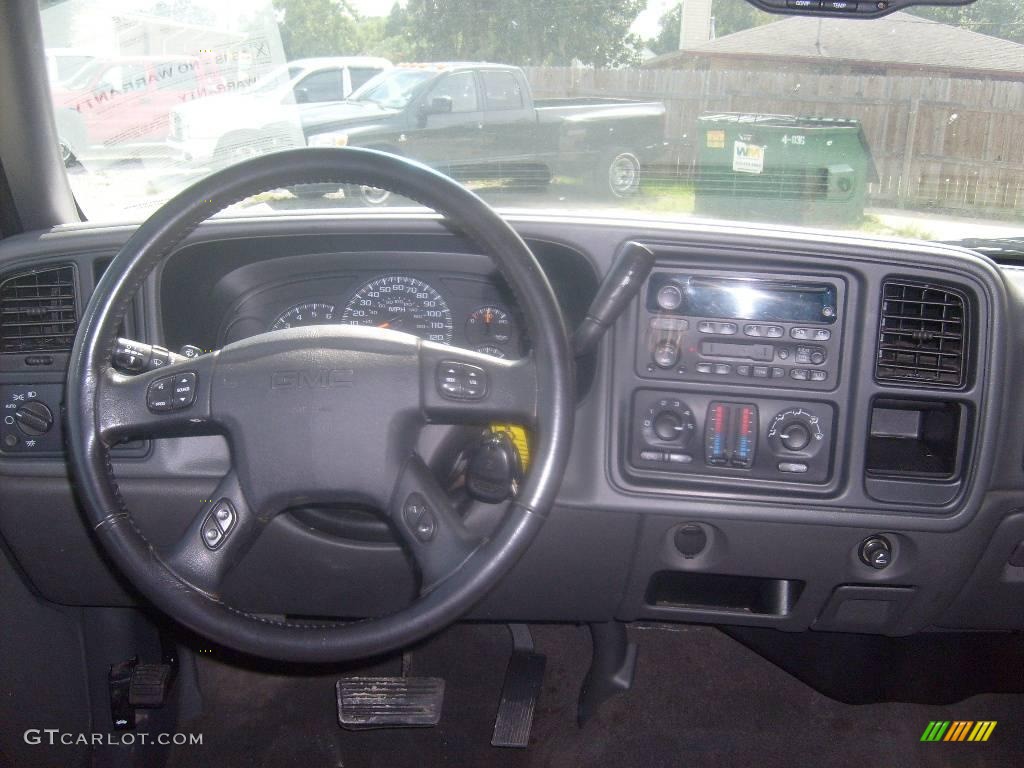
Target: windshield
<point>394,89</point>
<point>274,80</point>
<point>908,125</point>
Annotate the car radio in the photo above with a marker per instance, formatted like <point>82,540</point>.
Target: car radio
<point>765,332</point>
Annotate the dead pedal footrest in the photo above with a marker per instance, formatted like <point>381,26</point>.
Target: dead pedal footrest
<point>389,702</point>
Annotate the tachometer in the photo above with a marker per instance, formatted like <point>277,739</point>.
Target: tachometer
<point>401,303</point>
<point>311,313</point>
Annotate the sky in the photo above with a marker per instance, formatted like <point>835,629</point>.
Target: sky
<point>646,24</point>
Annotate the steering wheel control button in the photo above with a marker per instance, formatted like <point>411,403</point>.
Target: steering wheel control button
<point>461,381</point>
<point>158,397</point>
<point>218,524</point>
<point>184,393</point>
<point>172,393</point>
<point>419,518</point>
<point>876,551</point>
<point>190,351</point>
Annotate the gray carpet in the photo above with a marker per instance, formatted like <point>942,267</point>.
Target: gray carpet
<point>699,699</point>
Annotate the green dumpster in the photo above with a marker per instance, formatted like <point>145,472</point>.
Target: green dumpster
<point>780,168</point>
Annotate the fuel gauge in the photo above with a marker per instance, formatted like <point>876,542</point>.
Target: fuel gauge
<point>488,326</point>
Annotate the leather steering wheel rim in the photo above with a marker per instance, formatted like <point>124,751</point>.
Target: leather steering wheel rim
<point>91,409</point>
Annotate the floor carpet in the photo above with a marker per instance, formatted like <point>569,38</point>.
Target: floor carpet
<point>699,699</point>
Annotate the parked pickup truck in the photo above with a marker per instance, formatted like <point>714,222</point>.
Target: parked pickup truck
<point>226,127</point>
<point>480,122</point>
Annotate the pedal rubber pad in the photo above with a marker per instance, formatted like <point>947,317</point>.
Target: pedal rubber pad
<point>524,677</point>
<point>389,702</point>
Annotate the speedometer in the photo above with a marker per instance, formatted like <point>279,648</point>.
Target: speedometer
<point>401,303</point>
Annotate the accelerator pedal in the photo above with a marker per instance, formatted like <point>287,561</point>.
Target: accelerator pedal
<point>389,702</point>
<point>523,679</point>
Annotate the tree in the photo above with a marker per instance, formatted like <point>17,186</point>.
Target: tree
<point>318,28</point>
<point>998,18</point>
<point>525,32</point>
<point>730,16</point>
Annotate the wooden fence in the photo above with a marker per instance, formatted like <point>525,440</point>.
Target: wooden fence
<point>937,142</point>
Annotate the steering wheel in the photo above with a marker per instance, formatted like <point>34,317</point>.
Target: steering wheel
<point>319,414</point>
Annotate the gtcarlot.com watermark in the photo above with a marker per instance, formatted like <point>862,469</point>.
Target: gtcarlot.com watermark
<point>53,737</point>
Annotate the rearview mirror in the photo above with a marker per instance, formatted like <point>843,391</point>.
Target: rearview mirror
<point>853,9</point>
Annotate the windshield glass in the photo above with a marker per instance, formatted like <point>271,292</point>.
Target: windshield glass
<point>392,89</point>
<point>908,125</point>
<point>274,80</point>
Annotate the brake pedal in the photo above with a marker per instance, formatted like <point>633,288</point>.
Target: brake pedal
<point>523,679</point>
<point>389,702</point>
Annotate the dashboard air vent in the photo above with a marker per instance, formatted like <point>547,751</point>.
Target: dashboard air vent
<point>922,335</point>
<point>38,310</point>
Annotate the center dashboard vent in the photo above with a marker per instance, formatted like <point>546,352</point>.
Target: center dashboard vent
<point>922,334</point>
<point>38,310</point>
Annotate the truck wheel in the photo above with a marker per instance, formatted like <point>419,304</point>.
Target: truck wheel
<point>619,174</point>
<point>374,196</point>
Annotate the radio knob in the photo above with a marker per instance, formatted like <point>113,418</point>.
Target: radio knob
<point>669,297</point>
<point>666,354</point>
<point>817,357</point>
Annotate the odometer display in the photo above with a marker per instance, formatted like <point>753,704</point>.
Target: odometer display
<point>401,303</point>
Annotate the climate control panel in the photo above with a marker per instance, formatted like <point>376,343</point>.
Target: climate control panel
<point>761,438</point>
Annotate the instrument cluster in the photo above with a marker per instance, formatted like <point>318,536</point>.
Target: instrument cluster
<point>464,311</point>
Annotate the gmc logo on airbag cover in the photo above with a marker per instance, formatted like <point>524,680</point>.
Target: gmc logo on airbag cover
<point>321,378</point>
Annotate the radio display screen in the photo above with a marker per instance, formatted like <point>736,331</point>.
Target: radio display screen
<point>742,299</point>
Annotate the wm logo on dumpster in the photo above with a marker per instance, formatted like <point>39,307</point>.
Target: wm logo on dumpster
<point>958,730</point>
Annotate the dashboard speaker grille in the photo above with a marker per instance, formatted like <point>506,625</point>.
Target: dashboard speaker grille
<point>922,334</point>
<point>38,310</point>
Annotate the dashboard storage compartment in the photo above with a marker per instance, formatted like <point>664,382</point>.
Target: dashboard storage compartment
<point>719,592</point>
<point>915,439</point>
<point>855,608</point>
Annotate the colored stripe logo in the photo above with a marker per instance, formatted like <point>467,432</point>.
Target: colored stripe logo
<point>958,730</point>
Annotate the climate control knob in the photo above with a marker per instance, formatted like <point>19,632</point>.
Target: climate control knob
<point>794,437</point>
<point>796,431</point>
<point>669,422</point>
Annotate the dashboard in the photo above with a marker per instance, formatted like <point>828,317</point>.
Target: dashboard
<point>784,429</point>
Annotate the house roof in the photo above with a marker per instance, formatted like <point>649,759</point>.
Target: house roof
<point>897,40</point>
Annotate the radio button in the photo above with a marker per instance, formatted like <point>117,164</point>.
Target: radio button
<point>800,374</point>
<point>819,375</point>
<point>778,373</point>
<point>800,333</point>
<point>753,330</point>
<point>722,369</point>
<point>822,334</point>
<point>760,371</point>
<point>652,456</point>
<point>774,332</point>
<point>727,329</point>
<point>742,370</point>
<point>680,458</point>
<point>783,353</point>
<point>669,324</point>
<point>704,367</point>
<point>706,326</point>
